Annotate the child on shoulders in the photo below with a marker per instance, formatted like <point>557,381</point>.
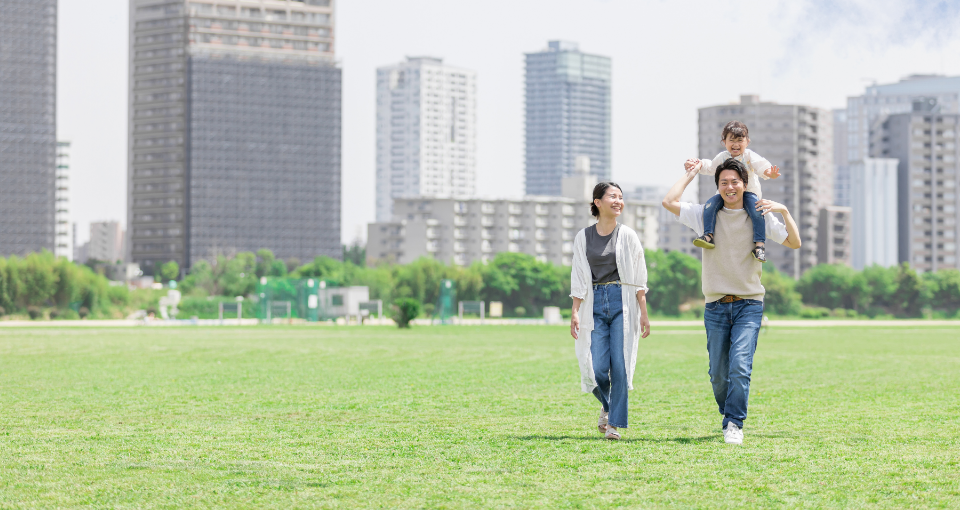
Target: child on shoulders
<point>736,138</point>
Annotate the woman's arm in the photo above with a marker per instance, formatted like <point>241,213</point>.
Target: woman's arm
<point>644,320</point>
<point>575,319</point>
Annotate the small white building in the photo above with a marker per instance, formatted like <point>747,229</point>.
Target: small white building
<point>341,301</point>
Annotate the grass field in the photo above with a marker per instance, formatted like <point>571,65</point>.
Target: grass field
<point>478,417</point>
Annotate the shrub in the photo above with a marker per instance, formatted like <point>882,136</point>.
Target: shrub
<point>814,312</point>
<point>520,311</point>
<point>405,310</point>
<point>429,309</point>
<point>54,313</point>
<point>2,311</point>
<point>83,312</point>
<point>34,312</point>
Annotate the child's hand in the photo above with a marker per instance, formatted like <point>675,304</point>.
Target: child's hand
<point>772,172</point>
<point>691,164</point>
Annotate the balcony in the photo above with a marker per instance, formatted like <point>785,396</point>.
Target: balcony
<point>541,222</point>
<point>514,221</point>
<point>459,221</point>
<point>488,209</point>
<point>515,209</point>
<point>487,221</point>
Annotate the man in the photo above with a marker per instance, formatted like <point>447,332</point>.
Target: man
<point>731,286</point>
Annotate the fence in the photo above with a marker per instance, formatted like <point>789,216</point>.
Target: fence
<point>471,307</point>
<point>289,298</point>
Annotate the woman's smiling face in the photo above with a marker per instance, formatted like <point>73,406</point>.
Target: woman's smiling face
<point>611,205</point>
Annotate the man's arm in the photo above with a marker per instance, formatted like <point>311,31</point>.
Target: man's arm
<point>671,202</point>
<point>793,232</point>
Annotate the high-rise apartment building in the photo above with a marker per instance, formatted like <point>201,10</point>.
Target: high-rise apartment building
<point>926,142</point>
<point>798,139</point>
<point>841,167</point>
<point>106,242</point>
<point>567,115</point>
<point>834,239</point>
<point>875,209</point>
<point>63,228</point>
<point>426,131</point>
<point>865,112</point>
<point>28,144</point>
<point>234,135</point>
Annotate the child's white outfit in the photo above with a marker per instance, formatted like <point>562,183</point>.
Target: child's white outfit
<point>755,164</point>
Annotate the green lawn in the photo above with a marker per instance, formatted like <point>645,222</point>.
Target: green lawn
<point>475,417</point>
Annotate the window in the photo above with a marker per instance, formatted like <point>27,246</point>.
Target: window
<point>251,12</point>
<point>336,300</point>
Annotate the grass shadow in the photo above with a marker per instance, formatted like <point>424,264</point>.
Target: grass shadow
<point>679,440</point>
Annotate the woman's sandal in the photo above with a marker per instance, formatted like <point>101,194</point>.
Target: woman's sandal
<point>602,422</point>
<point>612,434</point>
<point>760,254</point>
<point>705,241</point>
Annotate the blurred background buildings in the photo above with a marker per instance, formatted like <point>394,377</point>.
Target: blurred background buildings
<point>426,131</point>
<point>234,130</point>
<point>28,143</point>
<point>568,109</point>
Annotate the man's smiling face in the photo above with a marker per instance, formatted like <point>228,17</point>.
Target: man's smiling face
<point>731,189</point>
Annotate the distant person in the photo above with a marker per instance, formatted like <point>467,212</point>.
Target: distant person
<point>609,278</point>
<point>731,285</point>
<point>736,138</point>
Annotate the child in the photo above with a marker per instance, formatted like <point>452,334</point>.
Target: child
<point>736,138</point>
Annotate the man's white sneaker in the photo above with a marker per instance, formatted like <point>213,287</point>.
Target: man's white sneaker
<point>732,434</point>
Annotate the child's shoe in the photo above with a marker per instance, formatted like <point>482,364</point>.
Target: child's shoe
<point>760,254</point>
<point>705,241</point>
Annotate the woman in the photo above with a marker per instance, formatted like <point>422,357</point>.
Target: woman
<point>609,278</point>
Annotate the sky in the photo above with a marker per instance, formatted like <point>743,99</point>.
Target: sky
<point>669,58</point>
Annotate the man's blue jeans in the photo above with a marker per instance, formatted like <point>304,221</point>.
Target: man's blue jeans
<point>606,347</point>
<point>732,332</point>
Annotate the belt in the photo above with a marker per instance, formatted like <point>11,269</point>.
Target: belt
<point>729,299</point>
<point>615,282</point>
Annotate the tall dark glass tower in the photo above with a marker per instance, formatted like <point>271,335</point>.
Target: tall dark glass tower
<point>28,107</point>
<point>567,115</point>
<point>234,130</point>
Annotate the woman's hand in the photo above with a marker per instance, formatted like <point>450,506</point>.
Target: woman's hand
<point>575,325</point>
<point>644,325</point>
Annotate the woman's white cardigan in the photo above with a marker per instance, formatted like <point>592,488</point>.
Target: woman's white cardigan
<point>632,269</point>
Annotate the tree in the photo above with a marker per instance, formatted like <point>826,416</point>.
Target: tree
<point>355,254</point>
<point>405,310</point>
<point>881,285</point>
<point>911,292</point>
<point>834,286</point>
<point>673,278</point>
<point>170,271</point>
<point>944,287</point>
<point>520,280</point>
<point>780,297</point>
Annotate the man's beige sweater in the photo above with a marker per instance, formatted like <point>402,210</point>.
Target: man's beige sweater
<point>730,267</point>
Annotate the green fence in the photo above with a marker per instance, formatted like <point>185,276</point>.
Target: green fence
<point>282,298</point>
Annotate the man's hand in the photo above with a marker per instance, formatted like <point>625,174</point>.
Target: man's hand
<point>772,172</point>
<point>644,325</point>
<point>575,325</point>
<point>691,164</point>
<point>769,206</point>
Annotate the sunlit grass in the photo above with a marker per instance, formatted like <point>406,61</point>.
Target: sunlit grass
<point>281,417</point>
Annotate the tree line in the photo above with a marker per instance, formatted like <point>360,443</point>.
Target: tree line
<point>41,285</point>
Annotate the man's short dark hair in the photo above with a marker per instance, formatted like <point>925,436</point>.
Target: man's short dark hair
<point>737,129</point>
<point>736,166</point>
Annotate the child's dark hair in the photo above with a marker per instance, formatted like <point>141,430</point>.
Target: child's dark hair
<point>730,164</point>
<point>598,192</point>
<point>737,129</point>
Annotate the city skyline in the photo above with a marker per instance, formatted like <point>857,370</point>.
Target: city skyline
<point>653,116</point>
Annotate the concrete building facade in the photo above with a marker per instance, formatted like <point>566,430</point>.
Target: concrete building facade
<point>234,130</point>
<point>834,241</point>
<point>926,142</point>
<point>106,241</point>
<point>426,131</point>
<point>798,139</point>
<point>468,229</point>
<point>64,227</point>
<point>28,144</point>
<point>568,112</point>
<point>874,207</point>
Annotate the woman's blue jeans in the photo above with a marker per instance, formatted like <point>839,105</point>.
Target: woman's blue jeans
<point>606,347</point>
<point>715,203</point>
<point>732,332</point>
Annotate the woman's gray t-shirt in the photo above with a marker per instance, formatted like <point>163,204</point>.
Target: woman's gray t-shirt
<point>602,254</point>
